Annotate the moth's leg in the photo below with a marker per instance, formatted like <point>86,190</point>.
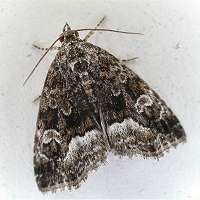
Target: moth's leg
<point>92,32</point>
<point>129,59</point>
<point>36,99</point>
<point>44,48</point>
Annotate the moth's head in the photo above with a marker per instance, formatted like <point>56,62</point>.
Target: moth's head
<point>68,34</point>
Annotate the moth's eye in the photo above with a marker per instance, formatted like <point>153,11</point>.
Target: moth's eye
<point>61,38</point>
<point>76,33</point>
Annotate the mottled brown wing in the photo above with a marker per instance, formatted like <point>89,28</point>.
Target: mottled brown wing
<point>68,140</point>
<point>92,104</point>
<point>137,120</point>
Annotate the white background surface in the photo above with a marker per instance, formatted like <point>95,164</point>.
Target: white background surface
<point>169,60</point>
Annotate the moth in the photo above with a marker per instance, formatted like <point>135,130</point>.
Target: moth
<point>92,104</point>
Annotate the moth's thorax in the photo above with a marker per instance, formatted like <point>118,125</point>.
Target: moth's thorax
<point>79,54</point>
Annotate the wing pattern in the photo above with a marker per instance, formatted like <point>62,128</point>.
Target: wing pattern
<point>92,104</point>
